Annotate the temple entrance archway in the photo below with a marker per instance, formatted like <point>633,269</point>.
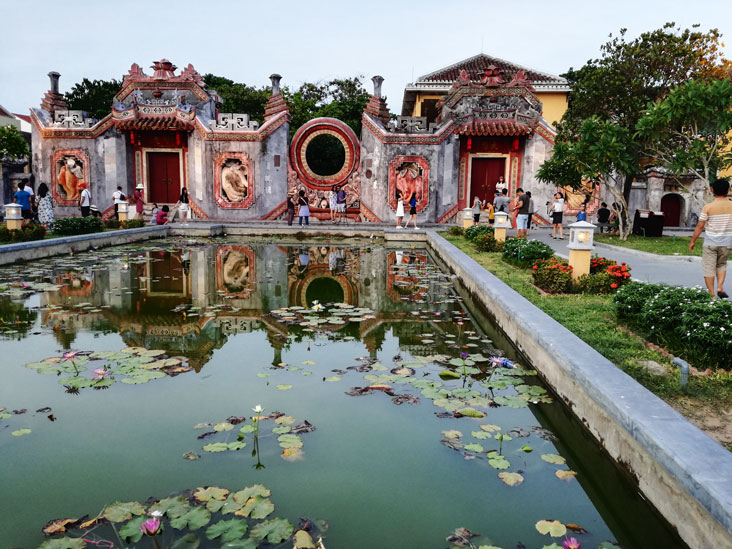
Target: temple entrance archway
<point>672,206</point>
<point>164,176</point>
<point>484,174</point>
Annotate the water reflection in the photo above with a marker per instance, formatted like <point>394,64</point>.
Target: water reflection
<point>189,300</point>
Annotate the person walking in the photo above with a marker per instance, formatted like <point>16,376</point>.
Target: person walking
<point>23,198</point>
<point>85,199</point>
<point>522,213</point>
<point>531,209</point>
<point>183,206</point>
<point>412,211</point>
<point>45,207</point>
<point>477,205</point>
<point>341,203</point>
<point>303,211</point>
<point>399,209</point>
<point>557,214</point>
<point>290,209</point>
<point>332,203</point>
<point>139,202</point>
<point>491,213</point>
<point>716,221</point>
<point>118,196</point>
<point>582,213</point>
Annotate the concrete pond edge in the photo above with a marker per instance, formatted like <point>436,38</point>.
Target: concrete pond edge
<point>683,472</point>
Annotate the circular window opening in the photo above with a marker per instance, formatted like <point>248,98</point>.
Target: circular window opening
<point>324,290</point>
<point>325,155</point>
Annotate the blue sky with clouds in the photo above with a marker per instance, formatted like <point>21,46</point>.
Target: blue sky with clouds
<point>313,40</point>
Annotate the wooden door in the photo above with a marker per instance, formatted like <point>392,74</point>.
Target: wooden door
<point>164,177</point>
<point>484,175</point>
<point>671,208</point>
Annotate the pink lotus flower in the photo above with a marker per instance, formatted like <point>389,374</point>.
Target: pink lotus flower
<point>101,373</point>
<point>70,355</point>
<point>151,526</point>
<point>571,543</point>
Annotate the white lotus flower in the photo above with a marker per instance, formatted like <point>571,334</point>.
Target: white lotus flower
<point>258,408</point>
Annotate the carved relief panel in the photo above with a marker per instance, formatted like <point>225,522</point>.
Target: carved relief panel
<point>233,180</point>
<point>409,175</point>
<point>69,170</point>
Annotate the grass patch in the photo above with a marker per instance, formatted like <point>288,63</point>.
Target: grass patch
<point>592,318</point>
<point>662,245</point>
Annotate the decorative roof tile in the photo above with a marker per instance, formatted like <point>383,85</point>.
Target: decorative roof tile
<point>476,66</point>
<point>493,127</point>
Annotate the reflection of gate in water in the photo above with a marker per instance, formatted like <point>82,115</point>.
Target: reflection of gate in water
<point>165,274</point>
<point>325,274</point>
<point>401,285</point>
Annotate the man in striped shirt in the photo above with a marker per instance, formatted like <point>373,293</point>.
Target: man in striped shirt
<point>716,218</point>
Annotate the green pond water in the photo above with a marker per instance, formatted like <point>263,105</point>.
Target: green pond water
<point>186,337</point>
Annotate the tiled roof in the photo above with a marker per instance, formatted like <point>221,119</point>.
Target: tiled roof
<point>493,127</point>
<point>24,117</point>
<point>154,123</point>
<point>476,66</point>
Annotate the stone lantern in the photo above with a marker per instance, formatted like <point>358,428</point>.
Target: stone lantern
<point>500,226</point>
<point>122,210</point>
<point>13,216</point>
<point>581,237</point>
<point>467,218</point>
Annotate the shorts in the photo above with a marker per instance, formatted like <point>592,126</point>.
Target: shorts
<point>714,258</point>
<point>557,218</point>
<point>413,210</point>
<point>476,218</point>
<point>27,214</point>
<point>522,221</point>
<point>341,207</point>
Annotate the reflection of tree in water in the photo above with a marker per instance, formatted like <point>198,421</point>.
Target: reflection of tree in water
<point>15,317</point>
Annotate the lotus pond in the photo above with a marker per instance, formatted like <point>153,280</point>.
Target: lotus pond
<point>222,393</point>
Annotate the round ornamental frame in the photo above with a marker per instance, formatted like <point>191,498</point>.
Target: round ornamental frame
<point>313,129</point>
<point>423,191</point>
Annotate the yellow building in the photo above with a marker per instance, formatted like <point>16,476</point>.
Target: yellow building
<point>421,97</point>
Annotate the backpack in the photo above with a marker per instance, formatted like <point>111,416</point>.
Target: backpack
<point>122,196</point>
<point>502,208</point>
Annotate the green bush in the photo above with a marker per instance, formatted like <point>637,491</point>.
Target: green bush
<point>77,225</point>
<point>597,283</point>
<point>525,253</point>
<point>25,234</point>
<point>552,275</point>
<point>686,321</point>
<point>473,232</point>
<point>456,230</point>
<point>131,224</point>
<point>488,243</point>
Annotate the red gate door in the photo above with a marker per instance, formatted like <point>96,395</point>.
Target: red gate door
<point>671,208</point>
<point>164,177</point>
<point>484,175</point>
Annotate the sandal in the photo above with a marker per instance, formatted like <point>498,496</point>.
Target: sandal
<point>722,294</point>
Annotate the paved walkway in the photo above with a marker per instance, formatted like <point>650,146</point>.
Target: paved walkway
<point>645,267</point>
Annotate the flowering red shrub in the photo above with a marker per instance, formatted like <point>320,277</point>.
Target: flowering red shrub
<point>552,275</point>
<point>600,264</point>
<point>621,274</point>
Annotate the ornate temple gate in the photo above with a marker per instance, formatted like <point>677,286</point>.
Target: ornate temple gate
<point>484,173</point>
<point>164,176</point>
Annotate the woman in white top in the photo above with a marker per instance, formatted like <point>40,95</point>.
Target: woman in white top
<point>332,203</point>
<point>557,214</point>
<point>400,209</point>
<point>501,183</point>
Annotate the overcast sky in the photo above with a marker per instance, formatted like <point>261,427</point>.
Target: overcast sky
<point>311,40</point>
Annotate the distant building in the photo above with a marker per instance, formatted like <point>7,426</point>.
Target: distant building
<point>12,171</point>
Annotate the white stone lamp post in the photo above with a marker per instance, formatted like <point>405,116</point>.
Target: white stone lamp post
<point>467,218</point>
<point>122,209</point>
<point>13,216</point>
<point>500,226</point>
<point>581,236</point>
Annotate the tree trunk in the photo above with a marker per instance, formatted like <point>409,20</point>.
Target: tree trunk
<point>624,224</point>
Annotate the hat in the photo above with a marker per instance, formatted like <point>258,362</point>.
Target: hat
<point>139,187</point>
<point>93,208</point>
<point>82,185</point>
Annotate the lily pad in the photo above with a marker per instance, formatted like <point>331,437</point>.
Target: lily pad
<point>303,540</point>
<point>189,541</point>
<point>275,530</point>
<point>215,447</point>
<point>122,511</point>
<point>565,474</point>
<point>498,462</point>
<point>223,426</point>
<point>511,401</point>
<point>332,378</point>
<point>131,530</point>
<point>228,530</point>
<point>290,441</point>
<point>281,430</point>
<point>173,506</point>
<point>552,527</point>
<point>211,492</point>
<point>256,507</point>
<point>489,427</point>
<point>481,435</point>
<point>556,459</point>
<point>470,412</point>
<point>512,479</point>
<point>21,432</point>
<point>196,518</point>
<point>474,448</point>
<point>242,496</point>
<point>284,387</point>
<point>63,543</point>
<point>449,374</point>
<point>452,434</point>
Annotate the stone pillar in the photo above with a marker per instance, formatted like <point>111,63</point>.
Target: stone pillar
<point>54,77</point>
<point>275,79</point>
<point>378,81</point>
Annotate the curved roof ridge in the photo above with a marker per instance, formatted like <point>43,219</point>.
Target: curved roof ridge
<point>434,76</point>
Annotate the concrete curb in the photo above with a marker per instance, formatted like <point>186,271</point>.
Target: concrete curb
<point>683,472</point>
<point>38,249</point>
<point>647,255</point>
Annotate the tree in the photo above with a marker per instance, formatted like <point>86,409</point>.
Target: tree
<point>93,96</point>
<point>630,74</point>
<point>239,98</point>
<point>688,131</point>
<point>602,151</point>
<point>12,144</point>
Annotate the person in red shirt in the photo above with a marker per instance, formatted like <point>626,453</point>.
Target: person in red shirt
<point>162,217</point>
